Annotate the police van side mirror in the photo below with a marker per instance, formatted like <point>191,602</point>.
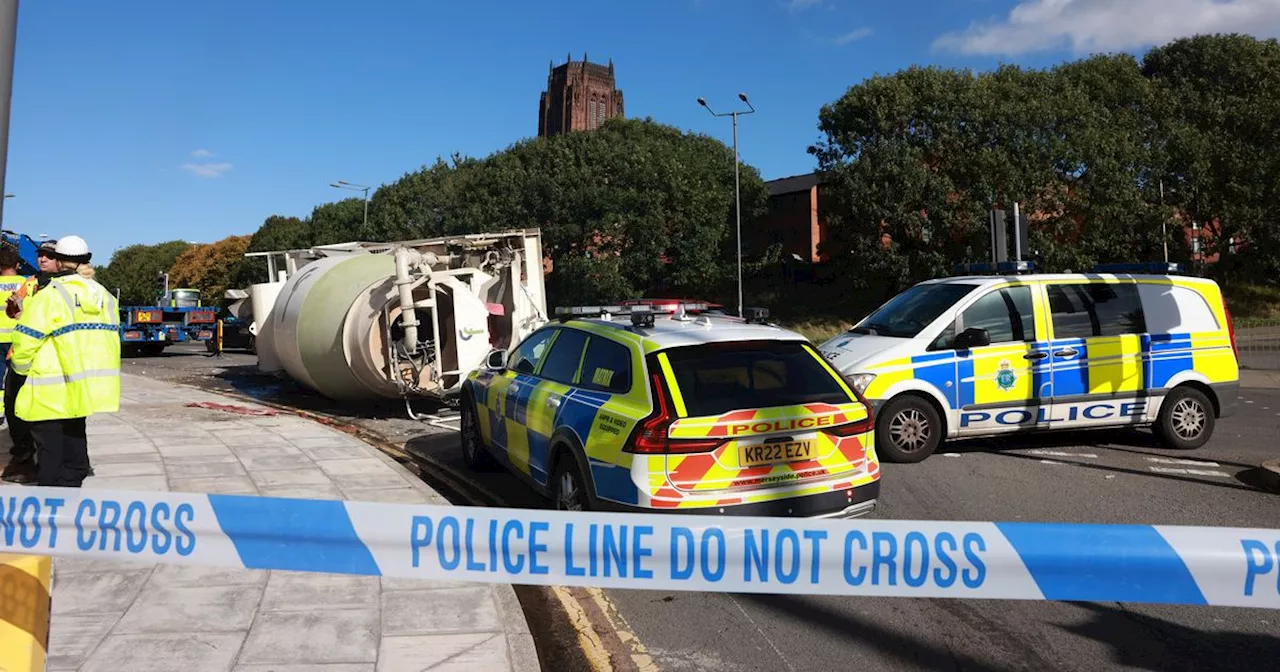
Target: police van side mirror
<point>497,359</point>
<point>972,337</point>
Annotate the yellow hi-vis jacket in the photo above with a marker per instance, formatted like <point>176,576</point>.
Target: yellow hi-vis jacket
<point>9,284</point>
<point>67,343</point>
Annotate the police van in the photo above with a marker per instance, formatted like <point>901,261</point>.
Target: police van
<point>1003,350</point>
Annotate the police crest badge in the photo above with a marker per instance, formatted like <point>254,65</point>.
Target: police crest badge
<point>1005,377</point>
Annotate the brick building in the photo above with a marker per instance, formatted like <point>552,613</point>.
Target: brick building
<point>792,220</point>
<point>580,95</point>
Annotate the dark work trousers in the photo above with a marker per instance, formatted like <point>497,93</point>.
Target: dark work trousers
<point>24,447</point>
<point>63,452</point>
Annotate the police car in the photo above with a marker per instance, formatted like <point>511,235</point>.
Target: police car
<point>630,409</point>
<point>1011,351</point>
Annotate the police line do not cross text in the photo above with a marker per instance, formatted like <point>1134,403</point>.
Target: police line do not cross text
<point>1133,563</point>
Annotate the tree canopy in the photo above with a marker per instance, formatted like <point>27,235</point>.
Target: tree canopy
<point>133,271</point>
<point>663,196</point>
<point>914,160</point>
<point>209,268</point>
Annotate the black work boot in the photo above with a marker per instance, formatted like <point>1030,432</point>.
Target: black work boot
<point>21,472</point>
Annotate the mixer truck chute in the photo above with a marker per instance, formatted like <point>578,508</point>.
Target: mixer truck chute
<point>407,319</point>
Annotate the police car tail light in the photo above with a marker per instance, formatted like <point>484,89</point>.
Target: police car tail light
<point>851,428</point>
<point>650,435</point>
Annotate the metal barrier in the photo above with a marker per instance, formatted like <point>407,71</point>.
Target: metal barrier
<point>1259,347</point>
<point>798,556</point>
<point>24,610</point>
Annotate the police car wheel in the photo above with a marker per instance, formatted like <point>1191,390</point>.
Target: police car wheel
<point>908,430</point>
<point>474,453</point>
<point>568,487</point>
<point>1186,419</point>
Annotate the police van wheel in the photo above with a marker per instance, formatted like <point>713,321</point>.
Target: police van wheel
<point>474,453</point>
<point>1186,419</point>
<point>908,430</point>
<point>568,487</point>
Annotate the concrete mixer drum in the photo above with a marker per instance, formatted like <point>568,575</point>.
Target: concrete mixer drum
<point>404,319</point>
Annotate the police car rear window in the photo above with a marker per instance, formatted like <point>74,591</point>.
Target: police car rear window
<point>722,377</point>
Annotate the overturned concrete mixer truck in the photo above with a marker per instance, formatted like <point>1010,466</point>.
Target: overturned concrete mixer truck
<point>406,319</point>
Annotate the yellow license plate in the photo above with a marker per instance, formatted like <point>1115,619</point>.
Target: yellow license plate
<point>778,451</point>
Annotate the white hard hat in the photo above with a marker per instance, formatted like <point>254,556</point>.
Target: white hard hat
<point>72,248</point>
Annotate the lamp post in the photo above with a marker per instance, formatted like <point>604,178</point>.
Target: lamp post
<point>737,195</point>
<point>342,184</point>
<point>8,43</point>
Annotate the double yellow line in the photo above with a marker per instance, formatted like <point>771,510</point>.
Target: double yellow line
<point>24,611</point>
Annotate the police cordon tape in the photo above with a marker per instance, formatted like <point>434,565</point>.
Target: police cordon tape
<point>1026,561</point>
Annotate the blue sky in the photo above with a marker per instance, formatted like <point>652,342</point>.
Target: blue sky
<point>150,120</point>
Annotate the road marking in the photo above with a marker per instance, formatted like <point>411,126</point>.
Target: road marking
<point>1190,472</point>
<point>639,654</point>
<point>597,655</point>
<point>958,454</point>
<point>1052,462</point>
<point>1194,463</point>
<point>766,637</point>
<point>444,420</point>
<point>1062,453</point>
<point>1248,401</point>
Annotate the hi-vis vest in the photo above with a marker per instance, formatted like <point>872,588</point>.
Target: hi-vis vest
<point>29,287</point>
<point>67,343</point>
<point>9,284</point>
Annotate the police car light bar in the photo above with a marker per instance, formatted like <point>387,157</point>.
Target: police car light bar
<point>1154,268</point>
<point>1004,267</point>
<point>641,315</point>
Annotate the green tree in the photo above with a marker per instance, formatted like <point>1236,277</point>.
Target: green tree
<point>337,222</point>
<point>1222,93</point>
<point>133,270</point>
<point>281,233</point>
<point>916,159</point>
<point>630,208</point>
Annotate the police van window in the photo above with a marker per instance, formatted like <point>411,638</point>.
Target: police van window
<point>1006,314</point>
<point>1170,309</point>
<point>566,353</point>
<point>1096,309</point>
<point>607,366</point>
<point>906,314</point>
<point>722,377</point>
<point>530,352</point>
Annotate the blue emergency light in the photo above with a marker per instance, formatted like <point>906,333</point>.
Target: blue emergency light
<point>1154,268</point>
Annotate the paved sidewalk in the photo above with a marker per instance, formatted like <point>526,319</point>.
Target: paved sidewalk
<point>118,616</point>
<point>1259,378</point>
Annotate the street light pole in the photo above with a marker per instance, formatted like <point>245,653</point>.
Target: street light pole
<point>8,44</point>
<point>343,184</point>
<point>737,192</point>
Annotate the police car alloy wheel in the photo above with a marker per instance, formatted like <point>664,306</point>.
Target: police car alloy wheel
<point>473,452</point>
<point>1186,419</point>
<point>567,487</point>
<point>908,430</point>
